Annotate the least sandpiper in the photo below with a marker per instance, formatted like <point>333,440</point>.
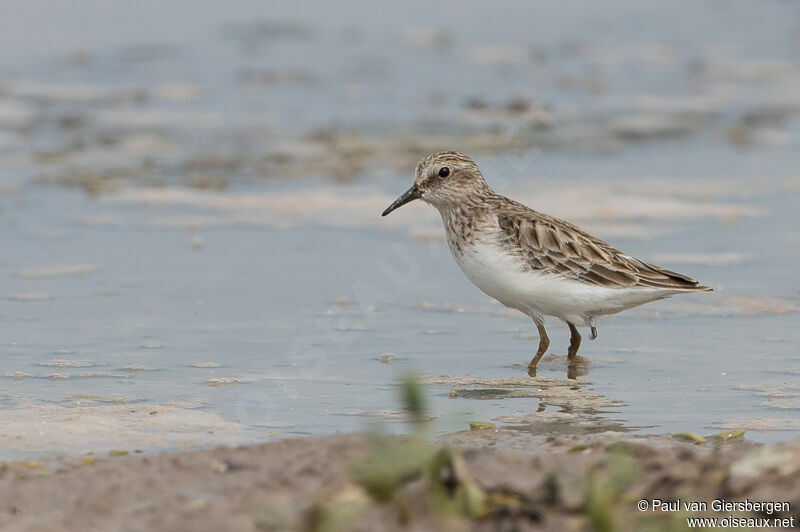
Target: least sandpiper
<point>533,262</point>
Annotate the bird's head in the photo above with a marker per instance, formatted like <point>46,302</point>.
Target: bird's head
<point>444,179</point>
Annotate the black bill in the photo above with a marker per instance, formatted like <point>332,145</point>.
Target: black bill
<point>410,195</point>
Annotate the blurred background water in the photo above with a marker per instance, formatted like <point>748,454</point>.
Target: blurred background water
<point>192,246</point>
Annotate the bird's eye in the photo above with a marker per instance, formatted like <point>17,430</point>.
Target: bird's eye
<point>444,171</point>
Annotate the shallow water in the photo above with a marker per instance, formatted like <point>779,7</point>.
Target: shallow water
<point>167,294</point>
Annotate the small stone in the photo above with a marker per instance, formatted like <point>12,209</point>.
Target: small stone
<point>219,467</point>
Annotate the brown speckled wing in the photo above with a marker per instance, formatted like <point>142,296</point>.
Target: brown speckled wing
<point>556,246</point>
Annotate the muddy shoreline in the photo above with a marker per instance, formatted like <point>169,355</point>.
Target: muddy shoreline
<point>573,482</point>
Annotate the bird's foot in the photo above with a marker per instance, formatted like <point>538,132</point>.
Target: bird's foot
<point>593,334</point>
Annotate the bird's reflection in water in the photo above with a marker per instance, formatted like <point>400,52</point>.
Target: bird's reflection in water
<point>564,406</point>
<point>576,367</point>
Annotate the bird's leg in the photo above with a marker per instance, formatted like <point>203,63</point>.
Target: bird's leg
<point>574,342</point>
<point>544,343</point>
<point>594,333</point>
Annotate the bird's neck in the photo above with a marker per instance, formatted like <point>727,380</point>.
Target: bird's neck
<point>462,221</point>
<point>463,207</point>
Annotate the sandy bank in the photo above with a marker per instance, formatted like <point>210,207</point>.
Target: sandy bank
<point>306,483</point>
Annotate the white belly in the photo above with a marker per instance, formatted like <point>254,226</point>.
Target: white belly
<point>503,277</point>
